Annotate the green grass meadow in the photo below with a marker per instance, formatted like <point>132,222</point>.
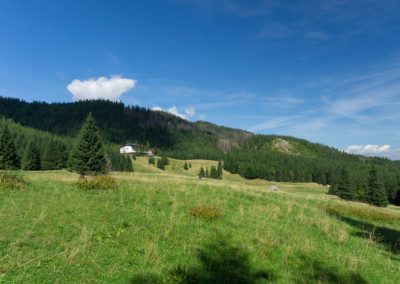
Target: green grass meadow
<point>146,232</point>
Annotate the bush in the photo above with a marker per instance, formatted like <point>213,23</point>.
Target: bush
<point>205,212</point>
<point>101,182</point>
<point>11,181</point>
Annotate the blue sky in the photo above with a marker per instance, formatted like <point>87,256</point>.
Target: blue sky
<point>327,71</point>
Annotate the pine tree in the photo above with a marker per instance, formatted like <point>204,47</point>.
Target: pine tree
<point>165,160</point>
<point>160,164</point>
<point>152,161</point>
<point>185,166</point>
<point>31,160</point>
<point>88,157</point>
<point>55,156</point>
<point>344,187</point>
<point>376,194</point>
<point>128,167</point>
<point>213,172</point>
<point>201,173</point>
<point>190,165</point>
<point>219,170</point>
<point>9,159</point>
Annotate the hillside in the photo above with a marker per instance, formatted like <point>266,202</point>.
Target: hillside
<point>170,227</point>
<point>269,157</point>
<point>121,124</point>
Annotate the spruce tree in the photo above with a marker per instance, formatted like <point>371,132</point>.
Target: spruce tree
<point>9,159</point>
<point>185,166</point>
<point>128,167</point>
<point>219,170</point>
<point>344,187</point>
<point>376,194</point>
<point>88,157</point>
<point>201,173</point>
<point>160,164</point>
<point>31,159</point>
<point>55,156</point>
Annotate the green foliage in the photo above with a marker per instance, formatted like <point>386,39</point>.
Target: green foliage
<point>88,157</point>
<point>185,166</point>
<point>31,159</point>
<point>9,159</point>
<point>152,161</point>
<point>376,194</point>
<point>99,182</point>
<point>219,170</point>
<point>344,188</point>
<point>165,160</point>
<point>55,155</point>
<point>202,174</point>
<point>11,181</point>
<point>160,164</point>
<point>119,162</point>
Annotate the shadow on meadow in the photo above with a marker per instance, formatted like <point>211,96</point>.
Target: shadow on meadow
<point>319,272</point>
<point>218,262</point>
<point>390,238</point>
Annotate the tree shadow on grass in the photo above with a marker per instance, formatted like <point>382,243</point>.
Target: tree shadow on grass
<point>390,238</point>
<point>218,262</point>
<point>319,272</point>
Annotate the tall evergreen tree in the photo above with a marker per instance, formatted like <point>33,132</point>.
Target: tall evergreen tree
<point>160,164</point>
<point>344,187</point>
<point>219,170</point>
<point>31,159</point>
<point>201,173</point>
<point>128,167</point>
<point>376,194</point>
<point>55,156</point>
<point>88,157</point>
<point>9,159</point>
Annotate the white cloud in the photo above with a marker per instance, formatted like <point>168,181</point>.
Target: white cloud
<point>189,112</point>
<point>374,150</point>
<point>101,88</point>
<point>156,108</point>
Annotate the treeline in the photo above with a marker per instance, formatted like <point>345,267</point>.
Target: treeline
<point>373,192</point>
<point>303,161</point>
<point>119,124</point>
<point>30,149</point>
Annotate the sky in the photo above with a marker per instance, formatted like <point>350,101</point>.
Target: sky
<point>324,70</point>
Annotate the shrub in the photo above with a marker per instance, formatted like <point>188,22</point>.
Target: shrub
<point>100,182</point>
<point>11,181</point>
<point>205,212</point>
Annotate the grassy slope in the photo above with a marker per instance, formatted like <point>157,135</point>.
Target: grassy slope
<point>52,232</point>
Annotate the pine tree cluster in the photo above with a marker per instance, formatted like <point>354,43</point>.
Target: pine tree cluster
<point>374,194</point>
<point>215,172</point>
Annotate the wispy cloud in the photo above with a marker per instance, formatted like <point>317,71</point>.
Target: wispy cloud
<point>189,112</point>
<point>374,150</point>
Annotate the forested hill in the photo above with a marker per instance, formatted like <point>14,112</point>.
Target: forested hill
<point>121,124</point>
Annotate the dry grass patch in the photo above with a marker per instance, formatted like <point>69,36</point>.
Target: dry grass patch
<point>205,212</point>
<point>363,211</point>
<point>101,183</point>
<point>11,181</point>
